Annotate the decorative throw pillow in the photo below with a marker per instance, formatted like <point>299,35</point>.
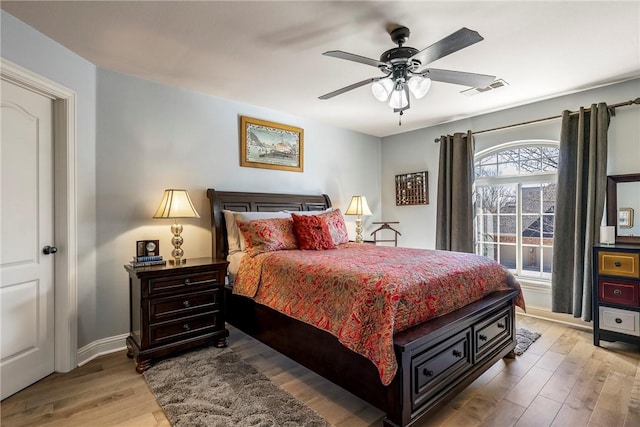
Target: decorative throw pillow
<point>266,235</point>
<point>312,232</point>
<point>337,227</point>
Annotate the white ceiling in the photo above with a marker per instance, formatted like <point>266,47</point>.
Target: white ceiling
<point>269,53</point>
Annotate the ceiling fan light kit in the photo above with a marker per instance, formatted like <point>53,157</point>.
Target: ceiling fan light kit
<point>405,72</point>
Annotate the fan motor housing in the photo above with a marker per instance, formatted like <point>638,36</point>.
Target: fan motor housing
<point>398,54</point>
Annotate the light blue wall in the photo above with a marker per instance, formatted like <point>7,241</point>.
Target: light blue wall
<point>152,136</point>
<point>136,138</point>
<point>416,151</point>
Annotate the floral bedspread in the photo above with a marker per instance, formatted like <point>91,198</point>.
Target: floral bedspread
<point>363,294</point>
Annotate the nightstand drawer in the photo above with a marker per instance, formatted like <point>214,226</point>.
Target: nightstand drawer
<point>184,305</point>
<point>623,321</point>
<point>618,292</point>
<point>183,328</point>
<point>183,283</point>
<point>619,264</point>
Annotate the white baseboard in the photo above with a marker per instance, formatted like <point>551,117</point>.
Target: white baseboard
<point>566,319</point>
<point>101,347</point>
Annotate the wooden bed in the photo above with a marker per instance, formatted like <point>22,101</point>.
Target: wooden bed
<point>436,359</point>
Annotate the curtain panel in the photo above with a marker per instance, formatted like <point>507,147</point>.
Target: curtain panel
<point>581,189</point>
<point>454,217</point>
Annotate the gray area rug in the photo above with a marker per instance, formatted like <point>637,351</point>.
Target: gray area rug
<point>215,388</point>
<point>524,338</point>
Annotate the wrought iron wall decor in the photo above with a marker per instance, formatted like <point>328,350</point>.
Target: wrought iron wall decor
<point>412,189</point>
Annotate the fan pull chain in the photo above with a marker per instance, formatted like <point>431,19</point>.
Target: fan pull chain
<point>400,118</point>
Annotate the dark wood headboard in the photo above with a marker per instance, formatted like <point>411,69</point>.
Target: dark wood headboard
<point>254,202</point>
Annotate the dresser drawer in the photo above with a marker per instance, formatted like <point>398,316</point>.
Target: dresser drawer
<point>618,292</point>
<point>184,283</point>
<point>621,264</point>
<point>617,320</point>
<point>184,305</point>
<point>184,328</point>
<point>489,334</point>
<point>437,367</point>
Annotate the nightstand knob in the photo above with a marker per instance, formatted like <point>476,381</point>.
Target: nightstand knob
<point>617,263</point>
<point>618,320</point>
<point>186,303</point>
<point>187,282</point>
<point>186,327</point>
<point>482,337</point>
<point>500,325</point>
<point>457,353</point>
<point>427,373</point>
<point>617,292</point>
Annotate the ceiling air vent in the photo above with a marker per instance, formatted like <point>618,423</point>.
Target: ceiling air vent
<point>476,90</point>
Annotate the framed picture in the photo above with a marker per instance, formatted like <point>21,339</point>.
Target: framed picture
<point>625,217</point>
<point>412,189</point>
<point>270,145</point>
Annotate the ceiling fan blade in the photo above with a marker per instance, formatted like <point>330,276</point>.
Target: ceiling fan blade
<point>459,77</point>
<point>462,38</point>
<point>350,87</point>
<point>355,58</point>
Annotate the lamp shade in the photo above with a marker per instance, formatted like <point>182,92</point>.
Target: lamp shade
<point>382,89</point>
<point>358,206</point>
<point>419,86</point>
<point>398,98</point>
<point>176,204</point>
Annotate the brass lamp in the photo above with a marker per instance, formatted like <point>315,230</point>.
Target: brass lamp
<point>358,207</point>
<point>176,204</point>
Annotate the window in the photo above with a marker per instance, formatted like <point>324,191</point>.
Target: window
<point>515,189</point>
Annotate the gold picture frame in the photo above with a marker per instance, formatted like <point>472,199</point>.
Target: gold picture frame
<point>625,217</point>
<point>270,145</point>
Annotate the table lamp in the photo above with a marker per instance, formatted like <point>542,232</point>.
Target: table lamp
<point>176,204</point>
<point>358,207</point>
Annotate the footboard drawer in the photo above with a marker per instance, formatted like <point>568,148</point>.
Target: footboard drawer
<point>491,333</point>
<point>437,367</point>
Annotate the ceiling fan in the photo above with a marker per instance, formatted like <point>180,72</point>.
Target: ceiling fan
<point>405,70</point>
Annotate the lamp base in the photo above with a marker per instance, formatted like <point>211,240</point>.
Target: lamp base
<point>178,261</point>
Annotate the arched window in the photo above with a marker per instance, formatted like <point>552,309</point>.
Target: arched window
<point>515,191</point>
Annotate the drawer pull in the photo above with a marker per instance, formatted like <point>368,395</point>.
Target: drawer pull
<point>187,282</point>
<point>618,320</point>
<point>617,263</point>
<point>500,325</point>
<point>186,304</point>
<point>617,292</point>
<point>482,337</point>
<point>457,353</point>
<point>186,327</point>
<point>427,373</point>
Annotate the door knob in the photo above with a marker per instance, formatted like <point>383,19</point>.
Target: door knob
<point>47,250</point>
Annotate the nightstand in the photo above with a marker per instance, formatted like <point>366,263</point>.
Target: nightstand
<point>174,308</point>
<point>616,293</point>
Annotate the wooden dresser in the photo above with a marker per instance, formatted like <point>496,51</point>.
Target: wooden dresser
<point>175,308</point>
<point>616,293</point>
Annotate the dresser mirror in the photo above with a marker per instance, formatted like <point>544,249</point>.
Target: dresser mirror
<point>623,206</point>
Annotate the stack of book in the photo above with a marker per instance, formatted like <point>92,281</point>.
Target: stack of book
<point>146,261</point>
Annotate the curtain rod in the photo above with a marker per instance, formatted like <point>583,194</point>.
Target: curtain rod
<point>612,107</point>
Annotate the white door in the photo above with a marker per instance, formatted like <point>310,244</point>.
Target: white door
<point>26,223</point>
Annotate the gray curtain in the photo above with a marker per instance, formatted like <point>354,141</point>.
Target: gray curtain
<point>582,180</point>
<point>454,218</point>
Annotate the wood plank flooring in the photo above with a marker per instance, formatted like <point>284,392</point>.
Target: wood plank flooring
<point>562,380</point>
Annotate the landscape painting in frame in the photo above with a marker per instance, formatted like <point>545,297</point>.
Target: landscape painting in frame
<point>270,145</point>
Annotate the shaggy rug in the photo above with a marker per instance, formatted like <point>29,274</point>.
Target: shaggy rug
<point>215,388</point>
<point>524,338</point>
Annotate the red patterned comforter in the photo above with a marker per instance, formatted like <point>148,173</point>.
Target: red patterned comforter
<point>363,294</point>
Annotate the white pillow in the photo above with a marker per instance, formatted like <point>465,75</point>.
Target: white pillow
<point>235,239</point>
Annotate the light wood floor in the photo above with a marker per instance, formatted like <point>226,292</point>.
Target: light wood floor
<point>562,380</point>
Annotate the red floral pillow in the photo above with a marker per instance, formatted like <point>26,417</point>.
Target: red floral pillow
<point>337,227</point>
<point>266,235</point>
<point>312,232</point>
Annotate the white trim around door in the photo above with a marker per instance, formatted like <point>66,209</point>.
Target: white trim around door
<point>65,221</point>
